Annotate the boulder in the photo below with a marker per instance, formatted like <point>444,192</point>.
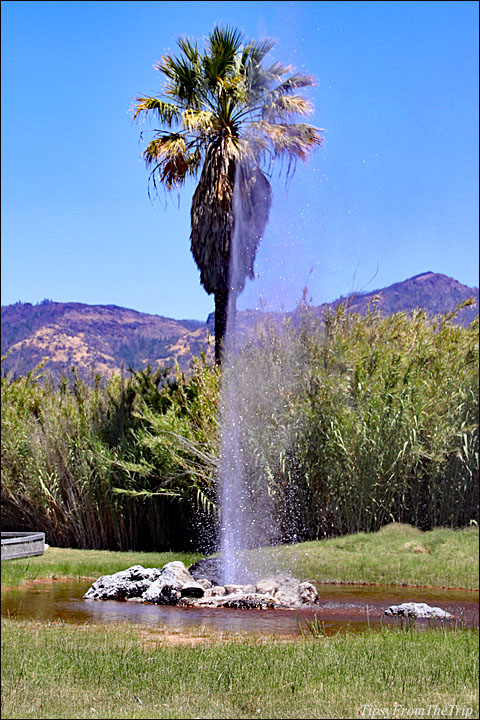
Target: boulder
<point>177,571</point>
<point>215,591</point>
<point>123,585</point>
<point>149,584</point>
<point>287,593</point>
<point>236,589</point>
<point>417,610</point>
<point>307,593</point>
<point>249,601</point>
<point>163,592</point>
<point>209,568</point>
<point>206,584</point>
<point>167,588</point>
<point>192,590</point>
<point>268,586</point>
<point>243,601</point>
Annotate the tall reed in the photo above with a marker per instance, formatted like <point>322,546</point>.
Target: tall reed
<point>358,421</point>
<point>68,464</point>
<point>377,422</point>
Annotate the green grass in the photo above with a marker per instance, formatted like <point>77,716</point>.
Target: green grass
<point>397,554</point>
<point>63,562</point>
<point>58,671</point>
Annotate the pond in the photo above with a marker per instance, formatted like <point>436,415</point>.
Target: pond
<point>342,608</point>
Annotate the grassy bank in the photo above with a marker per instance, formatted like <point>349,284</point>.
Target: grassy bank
<point>396,554</point>
<point>55,670</point>
<point>68,563</point>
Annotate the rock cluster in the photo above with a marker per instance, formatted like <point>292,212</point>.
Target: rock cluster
<point>417,610</point>
<point>174,584</point>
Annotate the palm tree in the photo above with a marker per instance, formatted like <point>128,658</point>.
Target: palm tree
<point>225,116</point>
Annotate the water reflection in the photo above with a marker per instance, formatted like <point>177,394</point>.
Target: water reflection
<point>342,607</point>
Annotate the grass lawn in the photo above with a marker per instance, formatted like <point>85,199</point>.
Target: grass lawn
<point>397,554</point>
<point>66,671</point>
<point>67,563</point>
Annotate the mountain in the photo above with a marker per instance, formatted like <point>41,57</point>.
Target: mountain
<point>433,292</point>
<point>103,338</point>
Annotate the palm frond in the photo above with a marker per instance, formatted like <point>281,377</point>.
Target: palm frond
<point>219,61</point>
<point>189,49</point>
<point>197,121</point>
<point>284,106</point>
<point>166,145</point>
<point>276,71</point>
<point>172,159</point>
<point>167,113</point>
<point>224,43</point>
<point>294,82</point>
<point>257,50</point>
<point>293,139</point>
<point>186,80</point>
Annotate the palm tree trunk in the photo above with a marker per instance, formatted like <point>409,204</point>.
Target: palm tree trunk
<point>221,313</point>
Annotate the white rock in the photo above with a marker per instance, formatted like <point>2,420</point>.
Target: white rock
<point>215,591</point>
<point>163,592</point>
<point>123,585</point>
<point>231,588</point>
<point>267,586</point>
<point>308,593</point>
<point>177,570</point>
<point>417,610</point>
<point>205,583</point>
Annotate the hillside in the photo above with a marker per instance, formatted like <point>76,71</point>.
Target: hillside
<point>103,338</point>
<point>433,292</point>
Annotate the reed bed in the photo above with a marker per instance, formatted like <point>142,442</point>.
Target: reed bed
<point>358,421</point>
<point>375,420</point>
<point>71,467</point>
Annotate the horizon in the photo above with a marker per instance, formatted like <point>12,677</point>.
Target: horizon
<point>393,189</point>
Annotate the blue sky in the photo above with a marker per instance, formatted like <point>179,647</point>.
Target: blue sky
<point>392,193</point>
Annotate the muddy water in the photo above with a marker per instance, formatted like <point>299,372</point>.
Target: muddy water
<point>342,607</point>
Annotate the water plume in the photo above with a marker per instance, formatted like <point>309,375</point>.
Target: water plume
<point>249,504</point>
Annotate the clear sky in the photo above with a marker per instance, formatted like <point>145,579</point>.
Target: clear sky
<point>392,193</point>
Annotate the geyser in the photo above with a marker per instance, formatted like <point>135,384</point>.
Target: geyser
<point>248,511</point>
